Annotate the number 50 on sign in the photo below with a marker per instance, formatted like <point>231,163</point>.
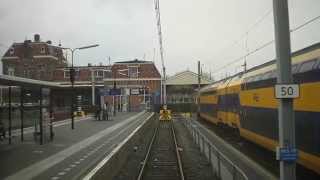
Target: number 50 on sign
<point>287,91</point>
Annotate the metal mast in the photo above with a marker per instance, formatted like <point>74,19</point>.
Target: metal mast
<point>285,109</point>
<point>158,19</point>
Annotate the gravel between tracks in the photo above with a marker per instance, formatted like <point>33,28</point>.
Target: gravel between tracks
<point>131,169</point>
<point>195,165</point>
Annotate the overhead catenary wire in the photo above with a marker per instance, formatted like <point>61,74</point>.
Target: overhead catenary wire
<point>246,33</point>
<point>264,45</point>
<point>304,24</point>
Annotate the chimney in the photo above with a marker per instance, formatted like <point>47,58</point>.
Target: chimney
<point>36,38</point>
<point>49,42</point>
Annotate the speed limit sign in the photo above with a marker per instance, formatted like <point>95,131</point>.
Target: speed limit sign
<point>283,91</point>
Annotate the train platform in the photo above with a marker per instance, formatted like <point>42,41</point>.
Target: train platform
<point>72,153</point>
<point>249,167</point>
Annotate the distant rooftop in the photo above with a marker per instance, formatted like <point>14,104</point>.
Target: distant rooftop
<point>186,78</point>
<point>135,61</point>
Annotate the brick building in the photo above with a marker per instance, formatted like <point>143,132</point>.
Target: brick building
<point>137,82</point>
<point>33,59</point>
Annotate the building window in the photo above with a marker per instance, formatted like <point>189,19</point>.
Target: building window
<point>11,71</point>
<point>25,74</point>
<point>107,74</point>
<point>99,73</point>
<point>11,51</point>
<point>67,73</point>
<point>133,71</point>
<point>43,50</point>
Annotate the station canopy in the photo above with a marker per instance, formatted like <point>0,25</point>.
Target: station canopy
<point>6,80</point>
<point>186,78</point>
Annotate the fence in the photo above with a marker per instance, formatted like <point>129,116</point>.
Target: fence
<point>223,168</point>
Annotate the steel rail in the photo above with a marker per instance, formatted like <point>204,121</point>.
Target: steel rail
<point>179,163</point>
<point>177,152</point>
<point>148,154</point>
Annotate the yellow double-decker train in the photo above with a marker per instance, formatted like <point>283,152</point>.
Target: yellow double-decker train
<point>246,101</point>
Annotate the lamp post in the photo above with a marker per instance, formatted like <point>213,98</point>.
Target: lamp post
<point>72,73</point>
<point>120,71</point>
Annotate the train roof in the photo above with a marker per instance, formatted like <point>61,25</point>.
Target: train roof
<point>258,67</point>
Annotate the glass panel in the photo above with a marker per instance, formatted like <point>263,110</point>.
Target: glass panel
<point>307,66</point>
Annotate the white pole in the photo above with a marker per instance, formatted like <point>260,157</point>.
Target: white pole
<point>144,95</point>
<point>93,87</point>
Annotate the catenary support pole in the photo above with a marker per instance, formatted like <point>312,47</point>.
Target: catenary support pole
<point>199,86</point>
<point>10,115</point>
<point>41,115</point>
<point>93,87</point>
<point>21,112</point>
<point>72,73</point>
<point>286,114</point>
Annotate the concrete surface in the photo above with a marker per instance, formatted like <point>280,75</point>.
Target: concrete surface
<point>71,153</point>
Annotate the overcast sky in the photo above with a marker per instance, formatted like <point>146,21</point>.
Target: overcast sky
<point>202,30</point>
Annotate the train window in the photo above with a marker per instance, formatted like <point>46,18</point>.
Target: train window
<point>266,75</point>
<point>273,74</point>
<point>250,79</point>
<point>258,77</point>
<point>294,68</point>
<point>307,66</point>
<point>317,64</point>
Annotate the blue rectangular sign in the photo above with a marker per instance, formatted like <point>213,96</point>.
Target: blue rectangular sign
<point>115,92</point>
<point>288,154</point>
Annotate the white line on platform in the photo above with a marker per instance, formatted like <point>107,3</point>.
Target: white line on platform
<point>39,167</point>
<point>29,130</point>
<point>115,150</point>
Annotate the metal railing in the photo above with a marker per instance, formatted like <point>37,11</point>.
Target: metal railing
<point>222,166</point>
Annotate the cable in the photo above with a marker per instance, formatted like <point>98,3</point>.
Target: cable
<point>265,45</point>
<point>248,31</point>
<point>304,24</point>
<point>240,58</point>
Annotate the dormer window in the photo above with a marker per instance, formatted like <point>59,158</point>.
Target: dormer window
<point>133,71</point>
<point>42,50</point>
<point>11,71</point>
<point>11,51</point>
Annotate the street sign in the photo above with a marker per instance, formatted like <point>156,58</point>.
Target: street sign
<point>134,91</point>
<point>127,92</point>
<point>104,92</point>
<point>285,91</point>
<point>287,154</point>
<point>115,92</point>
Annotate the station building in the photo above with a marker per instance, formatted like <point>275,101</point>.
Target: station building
<point>33,59</point>
<point>137,82</point>
<point>182,89</point>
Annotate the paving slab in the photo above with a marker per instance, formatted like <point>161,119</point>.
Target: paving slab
<point>89,139</point>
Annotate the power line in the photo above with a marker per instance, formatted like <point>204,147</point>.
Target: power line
<point>254,25</point>
<point>265,45</point>
<point>304,24</point>
<point>242,57</point>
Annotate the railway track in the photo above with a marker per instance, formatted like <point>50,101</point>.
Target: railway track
<point>162,160</point>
